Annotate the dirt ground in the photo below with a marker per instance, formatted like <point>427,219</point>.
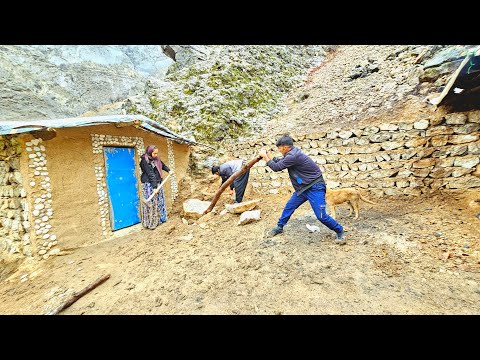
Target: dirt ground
<point>404,256</point>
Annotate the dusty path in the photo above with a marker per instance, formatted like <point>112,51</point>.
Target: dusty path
<point>417,256</point>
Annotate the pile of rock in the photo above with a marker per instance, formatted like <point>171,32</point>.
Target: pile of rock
<point>194,209</point>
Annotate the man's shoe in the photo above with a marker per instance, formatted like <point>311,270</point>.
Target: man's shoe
<point>340,238</point>
<point>275,231</point>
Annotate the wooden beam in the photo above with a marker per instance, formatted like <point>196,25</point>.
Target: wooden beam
<point>78,295</point>
<point>230,180</point>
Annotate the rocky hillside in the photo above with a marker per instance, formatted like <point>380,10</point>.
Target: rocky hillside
<point>233,93</point>
<point>226,92</point>
<point>368,83</point>
<point>45,81</point>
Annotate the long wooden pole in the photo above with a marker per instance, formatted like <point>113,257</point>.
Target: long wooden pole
<point>78,295</point>
<point>156,190</point>
<point>230,180</point>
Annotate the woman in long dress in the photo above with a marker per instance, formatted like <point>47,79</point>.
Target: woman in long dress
<point>154,213</point>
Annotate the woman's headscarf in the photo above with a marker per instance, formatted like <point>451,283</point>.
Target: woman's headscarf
<point>148,157</point>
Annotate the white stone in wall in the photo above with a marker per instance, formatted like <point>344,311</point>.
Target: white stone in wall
<point>54,251</point>
<point>439,130</point>
<point>388,127</point>
<point>474,116</point>
<point>380,137</point>
<point>456,119</point>
<point>474,148</point>
<point>16,225</point>
<point>421,125</point>
<point>390,145</point>
<point>345,134</point>
<point>39,206</point>
<point>467,162</point>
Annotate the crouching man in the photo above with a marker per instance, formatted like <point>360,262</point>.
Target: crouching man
<point>307,180</point>
<point>228,169</point>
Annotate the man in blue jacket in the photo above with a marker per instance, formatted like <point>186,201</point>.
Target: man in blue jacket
<point>307,180</point>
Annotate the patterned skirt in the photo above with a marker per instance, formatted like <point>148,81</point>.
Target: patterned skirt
<point>154,213</point>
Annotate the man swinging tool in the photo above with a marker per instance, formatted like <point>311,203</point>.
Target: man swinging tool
<point>240,183</point>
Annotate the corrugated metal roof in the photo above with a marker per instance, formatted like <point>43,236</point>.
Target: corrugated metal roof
<point>141,121</point>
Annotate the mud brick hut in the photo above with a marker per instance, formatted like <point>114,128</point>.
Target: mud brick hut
<point>60,180</point>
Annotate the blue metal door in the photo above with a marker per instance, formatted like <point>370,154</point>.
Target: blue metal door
<point>122,186</point>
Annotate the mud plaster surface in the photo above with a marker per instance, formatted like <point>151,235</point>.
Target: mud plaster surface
<point>70,162</point>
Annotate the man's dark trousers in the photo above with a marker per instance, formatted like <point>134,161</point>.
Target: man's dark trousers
<point>240,184</point>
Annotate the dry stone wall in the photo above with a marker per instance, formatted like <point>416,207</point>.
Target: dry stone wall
<point>14,212</point>
<point>389,159</point>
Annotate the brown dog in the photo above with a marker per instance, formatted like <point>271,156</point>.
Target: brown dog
<point>336,197</point>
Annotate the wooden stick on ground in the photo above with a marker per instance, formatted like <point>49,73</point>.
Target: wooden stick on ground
<point>230,180</point>
<point>78,295</point>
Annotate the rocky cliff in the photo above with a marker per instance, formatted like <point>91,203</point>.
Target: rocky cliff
<point>45,81</point>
